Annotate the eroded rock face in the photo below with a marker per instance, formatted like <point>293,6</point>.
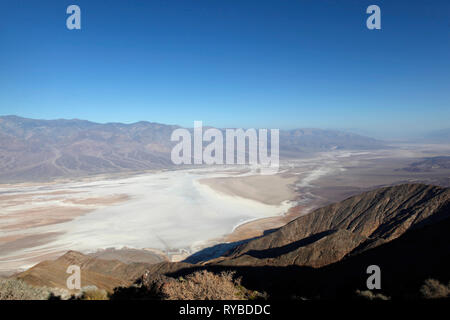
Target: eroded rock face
<point>349,227</point>
<point>397,227</point>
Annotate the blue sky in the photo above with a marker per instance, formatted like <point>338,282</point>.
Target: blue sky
<point>230,63</point>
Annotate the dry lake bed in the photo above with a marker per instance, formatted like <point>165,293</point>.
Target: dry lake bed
<point>175,213</point>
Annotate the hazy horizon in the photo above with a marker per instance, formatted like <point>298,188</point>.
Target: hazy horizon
<point>400,136</point>
<point>230,64</point>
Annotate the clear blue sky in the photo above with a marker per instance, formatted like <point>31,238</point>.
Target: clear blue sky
<point>230,63</point>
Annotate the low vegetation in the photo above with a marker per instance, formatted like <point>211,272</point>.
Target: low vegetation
<point>13,289</point>
<point>433,289</point>
<point>200,285</point>
<point>204,285</point>
<point>16,289</point>
<point>370,295</point>
<point>90,293</point>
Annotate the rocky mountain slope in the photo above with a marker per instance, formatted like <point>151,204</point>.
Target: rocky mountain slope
<point>102,273</point>
<point>32,150</point>
<point>346,228</point>
<point>404,229</point>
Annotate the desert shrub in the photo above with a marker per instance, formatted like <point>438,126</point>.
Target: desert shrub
<point>147,287</point>
<point>204,285</point>
<point>91,293</point>
<point>135,292</point>
<point>200,285</point>
<point>14,289</point>
<point>254,295</point>
<point>367,294</point>
<point>433,289</point>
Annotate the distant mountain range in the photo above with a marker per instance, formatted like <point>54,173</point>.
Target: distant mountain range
<point>44,149</point>
<point>404,229</point>
<point>34,150</point>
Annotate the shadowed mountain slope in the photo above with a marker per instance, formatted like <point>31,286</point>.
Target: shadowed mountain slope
<point>405,263</point>
<point>330,233</point>
<point>348,227</point>
<point>404,229</point>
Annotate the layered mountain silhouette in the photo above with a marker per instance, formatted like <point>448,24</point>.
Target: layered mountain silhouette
<point>33,150</point>
<point>403,229</point>
<point>44,149</point>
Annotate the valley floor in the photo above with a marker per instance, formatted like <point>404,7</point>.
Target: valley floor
<point>172,214</point>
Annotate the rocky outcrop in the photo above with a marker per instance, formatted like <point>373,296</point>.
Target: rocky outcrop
<point>346,228</point>
<point>404,229</point>
<point>104,274</point>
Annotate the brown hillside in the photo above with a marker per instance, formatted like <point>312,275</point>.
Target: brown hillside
<point>356,224</point>
<point>402,228</point>
<point>104,274</point>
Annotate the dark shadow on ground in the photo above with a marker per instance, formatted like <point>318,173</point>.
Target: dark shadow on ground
<point>405,264</point>
<point>276,252</point>
<point>219,250</point>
